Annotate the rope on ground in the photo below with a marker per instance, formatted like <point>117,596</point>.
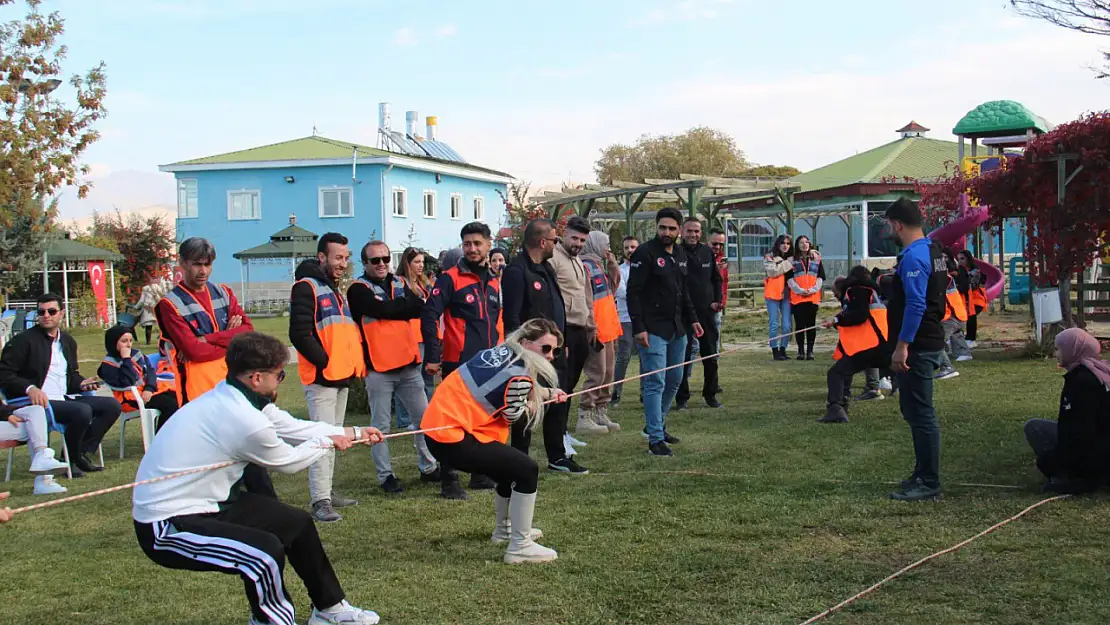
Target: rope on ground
<point>211,467</point>
<point>903,571</point>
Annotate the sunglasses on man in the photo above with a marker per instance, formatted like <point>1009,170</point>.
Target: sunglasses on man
<point>48,312</point>
<point>378,260</point>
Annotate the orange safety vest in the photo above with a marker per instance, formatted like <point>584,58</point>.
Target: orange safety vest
<point>955,302</point>
<point>199,377</point>
<point>392,343</point>
<point>856,339</point>
<point>423,293</point>
<point>774,288</point>
<point>805,277</point>
<point>606,318</point>
<point>471,398</point>
<point>337,332</point>
<point>125,397</point>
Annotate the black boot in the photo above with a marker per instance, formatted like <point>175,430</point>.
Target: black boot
<point>481,482</point>
<point>809,354</point>
<point>801,354</point>
<point>775,353</point>
<point>450,487</point>
<point>835,414</point>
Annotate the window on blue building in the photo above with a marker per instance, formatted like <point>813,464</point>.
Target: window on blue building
<point>479,208</point>
<point>430,204</point>
<point>336,202</point>
<point>456,206</point>
<point>400,202</point>
<point>187,198</point>
<point>244,204</point>
<point>755,240</point>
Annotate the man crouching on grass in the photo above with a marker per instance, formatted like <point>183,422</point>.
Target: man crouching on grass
<point>205,522</point>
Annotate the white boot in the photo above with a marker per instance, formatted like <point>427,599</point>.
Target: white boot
<point>502,530</point>
<point>45,485</point>
<point>521,546</point>
<point>586,423</point>
<point>601,415</point>
<point>44,462</point>
<point>568,447</point>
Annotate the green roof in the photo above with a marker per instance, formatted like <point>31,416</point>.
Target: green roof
<point>1000,118</point>
<point>918,158</point>
<point>314,148</point>
<point>292,241</point>
<point>68,249</point>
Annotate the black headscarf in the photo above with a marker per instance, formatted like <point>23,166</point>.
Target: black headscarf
<point>113,335</point>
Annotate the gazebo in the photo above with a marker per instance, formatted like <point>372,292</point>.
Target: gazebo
<point>288,246</point>
<point>68,256</point>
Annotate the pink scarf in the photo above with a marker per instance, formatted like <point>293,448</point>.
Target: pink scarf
<point>1075,348</point>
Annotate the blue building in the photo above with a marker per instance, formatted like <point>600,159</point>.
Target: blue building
<point>416,192</point>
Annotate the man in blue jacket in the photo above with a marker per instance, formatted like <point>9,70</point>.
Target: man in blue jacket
<point>916,308</point>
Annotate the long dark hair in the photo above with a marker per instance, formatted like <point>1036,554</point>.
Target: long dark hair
<point>419,279</point>
<point>970,258</point>
<point>783,238</point>
<point>797,250</point>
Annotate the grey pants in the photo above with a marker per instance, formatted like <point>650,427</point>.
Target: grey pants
<point>626,346</point>
<point>408,385</point>
<point>954,342</point>
<point>326,405</point>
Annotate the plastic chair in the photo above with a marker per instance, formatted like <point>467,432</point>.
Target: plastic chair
<point>51,426</point>
<point>10,446</point>
<point>147,418</point>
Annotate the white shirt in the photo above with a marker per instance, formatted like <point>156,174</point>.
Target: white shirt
<point>219,426</point>
<point>55,384</point>
<point>621,294</point>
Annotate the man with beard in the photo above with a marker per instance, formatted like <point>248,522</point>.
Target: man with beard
<point>468,298</point>
<point>661,312</point>
<point>703,283</point>
<point>329,356</point>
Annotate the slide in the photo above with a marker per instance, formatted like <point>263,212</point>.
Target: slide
<point>953,234</point>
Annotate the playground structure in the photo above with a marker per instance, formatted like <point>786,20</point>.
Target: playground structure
<point>999,126</point>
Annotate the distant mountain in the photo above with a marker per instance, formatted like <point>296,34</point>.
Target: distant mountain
<point>168,213</point>
<point>125,190</point>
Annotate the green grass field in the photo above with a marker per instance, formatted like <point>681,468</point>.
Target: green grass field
<point>762,516</point>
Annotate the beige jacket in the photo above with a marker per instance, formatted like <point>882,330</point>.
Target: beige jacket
<point>777,266</point>
<point>574,285</point>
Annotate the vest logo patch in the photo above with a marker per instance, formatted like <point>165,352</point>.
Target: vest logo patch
<point>326,302</point>
<point>537,285</point>
<point>660,262</point>
<point>435,291</point>
<point>496,357</point>
<point>469,298</point>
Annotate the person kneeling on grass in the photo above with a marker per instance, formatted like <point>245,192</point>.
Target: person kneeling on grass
<point>482,399</point>
<point>1074,452</point>
<point>205,522</point>
<point>29,424</point>
<point>864,339</point>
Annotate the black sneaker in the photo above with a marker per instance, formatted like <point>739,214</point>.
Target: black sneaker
<point>567,465</point>
<point>869,395</point>
<point>801,356</point>
<point>681,405</point>
<point>82,462</point>
<point>432,477</point>
<point>918,492</point>
<point>76,471</point>
<point>392,485</point>
<point>481,482</point>
<point>670,440</point>
<point>660,449</point>
<point>713,403</point>
<point>453,490</point>
<point>809,356</point>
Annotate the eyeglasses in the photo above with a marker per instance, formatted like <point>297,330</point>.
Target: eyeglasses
<point>717,244</point>
<point>378,260</point>
<point>48,312</point>
<point>548,349</point>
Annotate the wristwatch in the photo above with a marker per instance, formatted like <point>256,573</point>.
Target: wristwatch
<point>358,432</point>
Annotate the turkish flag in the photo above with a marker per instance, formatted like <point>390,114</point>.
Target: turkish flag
<point>96,277</point>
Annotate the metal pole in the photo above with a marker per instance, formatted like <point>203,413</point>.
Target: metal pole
<point>65,289</point>
<point>851,241</point>
<point>112,279</point>
<point>45,272</point>
<point>863,217</point>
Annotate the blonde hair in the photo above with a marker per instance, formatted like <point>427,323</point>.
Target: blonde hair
<point>538,367</point>
<point>407,272</point>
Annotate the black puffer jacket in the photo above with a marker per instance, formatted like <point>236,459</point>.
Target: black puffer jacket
<point>1082,453</point>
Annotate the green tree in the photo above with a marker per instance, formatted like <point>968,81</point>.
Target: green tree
<point>519,210</point>
<point>42,136</point>
<point>145,243</point>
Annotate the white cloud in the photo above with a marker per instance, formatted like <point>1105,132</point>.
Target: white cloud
<point>405,37</point>
<point>447,30</point>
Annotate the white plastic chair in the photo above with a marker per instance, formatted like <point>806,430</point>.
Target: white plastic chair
<point>148,417</point>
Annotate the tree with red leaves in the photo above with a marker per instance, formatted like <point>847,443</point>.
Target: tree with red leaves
<point>1062,239</point>
<point>145,243</point>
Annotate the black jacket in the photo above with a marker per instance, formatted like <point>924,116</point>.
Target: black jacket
<point>703,281</point>
<point>127,375</point>
<point>1082,453</point>
<point>530,291</point>
<point>302,322</point>
<point>364,304</point>
<point>26,360</point>
<point>856,309</point>
<point>658,300</point>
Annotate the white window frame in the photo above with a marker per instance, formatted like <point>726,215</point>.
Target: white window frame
<point>428,193</point>
<point>479,205</point>
<point>335,189</point>
<point>257,193</point>
<point>182,184</point>
<point>404,201</point>
<point>456,206</point>
<point>395,261</point>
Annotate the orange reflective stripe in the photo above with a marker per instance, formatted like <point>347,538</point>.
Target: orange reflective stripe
<point>392,343</point>
<point>338,334</point>
<point>955,303</point>
<point>805,276</point>
<point>774,288</point>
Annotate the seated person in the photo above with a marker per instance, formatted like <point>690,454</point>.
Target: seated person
<point>41,364</point>
<point>1074,452</point>
<point>125,366</point>
<point>29,424</point>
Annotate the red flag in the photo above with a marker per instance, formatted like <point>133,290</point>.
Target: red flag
<point>96,276</point>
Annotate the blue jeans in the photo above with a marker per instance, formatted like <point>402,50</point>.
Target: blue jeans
<point>775,310</point>
<point>660,387</point>
<point>915,397</point>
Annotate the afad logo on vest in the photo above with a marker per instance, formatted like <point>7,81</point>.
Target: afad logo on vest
<point>660,262</point>
<point>537,285</point>
<point>469,298</point>
<point>326,302</point>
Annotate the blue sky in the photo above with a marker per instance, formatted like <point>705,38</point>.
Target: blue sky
<point>537,87</point>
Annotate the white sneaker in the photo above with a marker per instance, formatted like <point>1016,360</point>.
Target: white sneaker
<point>343,614</point>
<point>568,448</point>
<point>885,385</point>
<point>45,485</point>
<point>973,344</point>
<point>965,358</point>
<point>574,442</point>
<point>44,462</point>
